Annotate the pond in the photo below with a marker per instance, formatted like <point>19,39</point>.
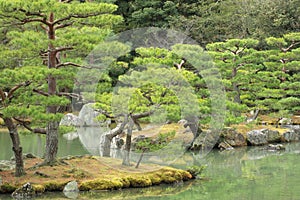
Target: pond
<point>243,173</point>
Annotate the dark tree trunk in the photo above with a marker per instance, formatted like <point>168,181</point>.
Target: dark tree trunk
<point>51,142</point>
<point>237,97</point>
<point>126,159</point>
<point>17,149</point>
<point>52,126</point>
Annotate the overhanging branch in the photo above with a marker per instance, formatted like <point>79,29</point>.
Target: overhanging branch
<point>41,92</point>
<point>25,124</point>
<point>71,64</point>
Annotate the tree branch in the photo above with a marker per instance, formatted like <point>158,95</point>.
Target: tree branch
<point>118,130</point>
<point>11,92</point>
<point>41,92</point>
<point>71,64</point>
<point>145,114</point>
<point>25,125</point>
<point>58,21</point>
<point>67,94</point>
<point>63,49</point>
<point>64,25</point>
<point>289,47</point>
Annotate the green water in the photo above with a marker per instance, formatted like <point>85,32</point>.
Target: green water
<point>241,174</point>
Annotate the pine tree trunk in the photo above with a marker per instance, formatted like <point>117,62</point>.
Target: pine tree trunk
<point>52,126</point>
<point>17,149</point>
<point>105,146</point>
<point>126,159</point>
<point>51,142</point>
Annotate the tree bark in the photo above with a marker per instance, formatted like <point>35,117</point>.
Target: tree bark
<point>126,159</point>
<point>105,143</point>
<point>17,149</point>
<point>52,126</point>
<point>51,142</point>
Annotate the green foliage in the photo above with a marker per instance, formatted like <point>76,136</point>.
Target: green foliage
<point>156,144</point>
<point>195,170</point>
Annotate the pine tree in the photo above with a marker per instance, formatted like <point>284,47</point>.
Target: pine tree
<point>61,30</point>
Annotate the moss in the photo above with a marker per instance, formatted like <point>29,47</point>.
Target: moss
<point>7,188</point>
<point>125,182</point>
<point>38,189</point>
<point>170,175</point>
<point>76,173</point>
<point>155,178</point>
<point>101,184</point>
<point>140,181</point>
<point>54,186</point>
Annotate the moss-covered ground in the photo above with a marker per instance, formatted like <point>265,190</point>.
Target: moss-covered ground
<point>91,174</point>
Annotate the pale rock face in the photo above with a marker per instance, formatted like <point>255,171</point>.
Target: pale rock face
<point>71,120</point>
<point>71,190</point>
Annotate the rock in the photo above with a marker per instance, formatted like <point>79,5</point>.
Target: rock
<point>271,135</point>
<point>257,137</point>
<point>71,136</point>
<point>24,192</point>
<point>7,165</point>
<point>233,138</point>
<point>71,190</point>
<point>225,146</point>
<point>205,141</point>
<point>285,121</point>
<point>71,187</point>
<point>71,120</point>
<point>275,147</point>
<point>88,115</point>
<point>182,121</point>
<point>291,135</point>
<point>0,180</point>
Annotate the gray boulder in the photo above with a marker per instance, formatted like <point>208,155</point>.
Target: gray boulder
<point>225,146</point>
<point>71,190</point>
<point>271,135</point>
<point>88,116</point>
<point>291,135</point>
<point>205,141</point>
<point>275,147</point>
<point>24,192</point>
<point>71,136</point>
<point>71,120</point>
<point>257,137</point>
<point>233,138</point>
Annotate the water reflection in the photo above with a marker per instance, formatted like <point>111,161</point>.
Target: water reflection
<point>243,173</point>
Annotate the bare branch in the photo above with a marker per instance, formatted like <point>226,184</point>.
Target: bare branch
<point>64,25</point>
<point>63,49</point>
<point>25,124</point>
<point>179,66</point>
<point>145,114</point>
<point>3,96</point>
<point>41,92</point>
<point>118,130</point>
<point>58,21</point>
<point>289,47</point>
<point>72,95</point>
<point>71,64</point>
<point>11,92</point>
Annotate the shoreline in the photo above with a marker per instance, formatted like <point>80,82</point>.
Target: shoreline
<point>91,174</point>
